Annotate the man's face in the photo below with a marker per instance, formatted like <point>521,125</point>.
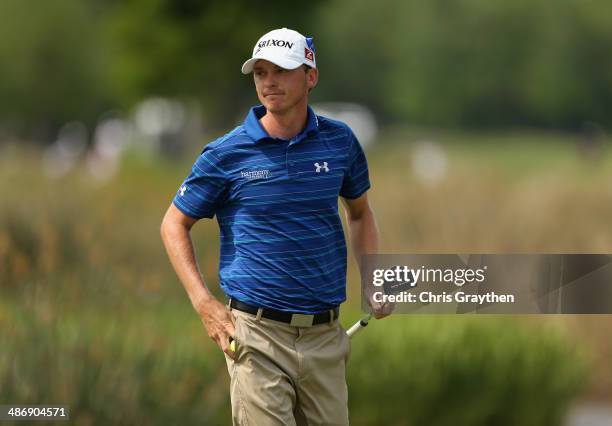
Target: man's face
<point>280,90</point>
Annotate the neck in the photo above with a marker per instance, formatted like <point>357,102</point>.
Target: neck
<point>286,124</point>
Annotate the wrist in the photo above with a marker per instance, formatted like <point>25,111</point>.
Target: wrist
<point>202,302</point>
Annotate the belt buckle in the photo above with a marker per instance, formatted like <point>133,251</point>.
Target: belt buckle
<point>301,320</point>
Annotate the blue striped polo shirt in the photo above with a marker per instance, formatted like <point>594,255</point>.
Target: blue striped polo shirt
<point>276,202</point>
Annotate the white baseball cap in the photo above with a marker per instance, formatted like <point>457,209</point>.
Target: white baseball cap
<point>286,48</point>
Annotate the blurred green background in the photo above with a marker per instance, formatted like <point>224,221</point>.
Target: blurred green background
<point>485,126</point>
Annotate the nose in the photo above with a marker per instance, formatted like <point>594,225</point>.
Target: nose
<point>270,81</point>
<point>270,84</point>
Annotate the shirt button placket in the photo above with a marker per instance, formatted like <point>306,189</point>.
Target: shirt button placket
<point>290,162</point>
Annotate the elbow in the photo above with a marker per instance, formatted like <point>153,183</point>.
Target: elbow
<point>174,223</point>
<point>171,228</point>
<point>163,229</point>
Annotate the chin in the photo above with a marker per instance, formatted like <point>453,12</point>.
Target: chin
<point>274,108</point>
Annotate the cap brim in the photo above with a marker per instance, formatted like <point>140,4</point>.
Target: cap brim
<point>285,63</point>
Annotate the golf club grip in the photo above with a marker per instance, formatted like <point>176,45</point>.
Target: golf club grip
<point>357,326</point>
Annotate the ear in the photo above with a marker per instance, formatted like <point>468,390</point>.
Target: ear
<point>312,78</point>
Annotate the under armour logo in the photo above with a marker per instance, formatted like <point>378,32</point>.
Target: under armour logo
<point>183,189</point>
<point>324,167</point>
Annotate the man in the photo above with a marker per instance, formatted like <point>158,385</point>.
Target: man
<point>273,184</point>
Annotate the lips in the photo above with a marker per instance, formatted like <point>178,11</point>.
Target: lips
<point>272,94</point>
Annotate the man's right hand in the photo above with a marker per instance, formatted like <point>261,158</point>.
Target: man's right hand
<point>379,310</point>
<point>219,323</point>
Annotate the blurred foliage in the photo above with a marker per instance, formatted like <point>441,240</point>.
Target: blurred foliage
<point>472,62</point>
<point>111,365</point>
<point>469,63</point>
<point>440,371</point>
<point>67,60</point>
<point>192,48</point>
<point>52,65</point>
<point>152,365</point>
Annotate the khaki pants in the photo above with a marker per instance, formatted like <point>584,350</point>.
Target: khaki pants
<point>284,375</point>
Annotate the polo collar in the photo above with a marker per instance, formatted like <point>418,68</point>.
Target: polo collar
<point>256,131</point>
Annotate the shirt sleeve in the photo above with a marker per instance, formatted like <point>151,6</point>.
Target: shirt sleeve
<point>356,179</point>
<point>204,189</point>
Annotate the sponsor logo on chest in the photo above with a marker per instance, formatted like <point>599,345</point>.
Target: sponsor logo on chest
<point>255,174</point>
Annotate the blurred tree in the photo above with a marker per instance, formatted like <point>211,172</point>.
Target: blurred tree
<point>66,60</point>
<point>472,62</point>
<point>52,68</point>
<point>194,49</point>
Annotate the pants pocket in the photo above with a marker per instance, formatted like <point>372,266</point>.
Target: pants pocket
<point>347,343</point>
<point>239,342</point>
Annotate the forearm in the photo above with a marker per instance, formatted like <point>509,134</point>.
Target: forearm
<point>363,235</point>
<point>215,316</point>
<point>181,253</point>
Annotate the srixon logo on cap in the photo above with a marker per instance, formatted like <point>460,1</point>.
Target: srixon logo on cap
<point>277,43</point>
